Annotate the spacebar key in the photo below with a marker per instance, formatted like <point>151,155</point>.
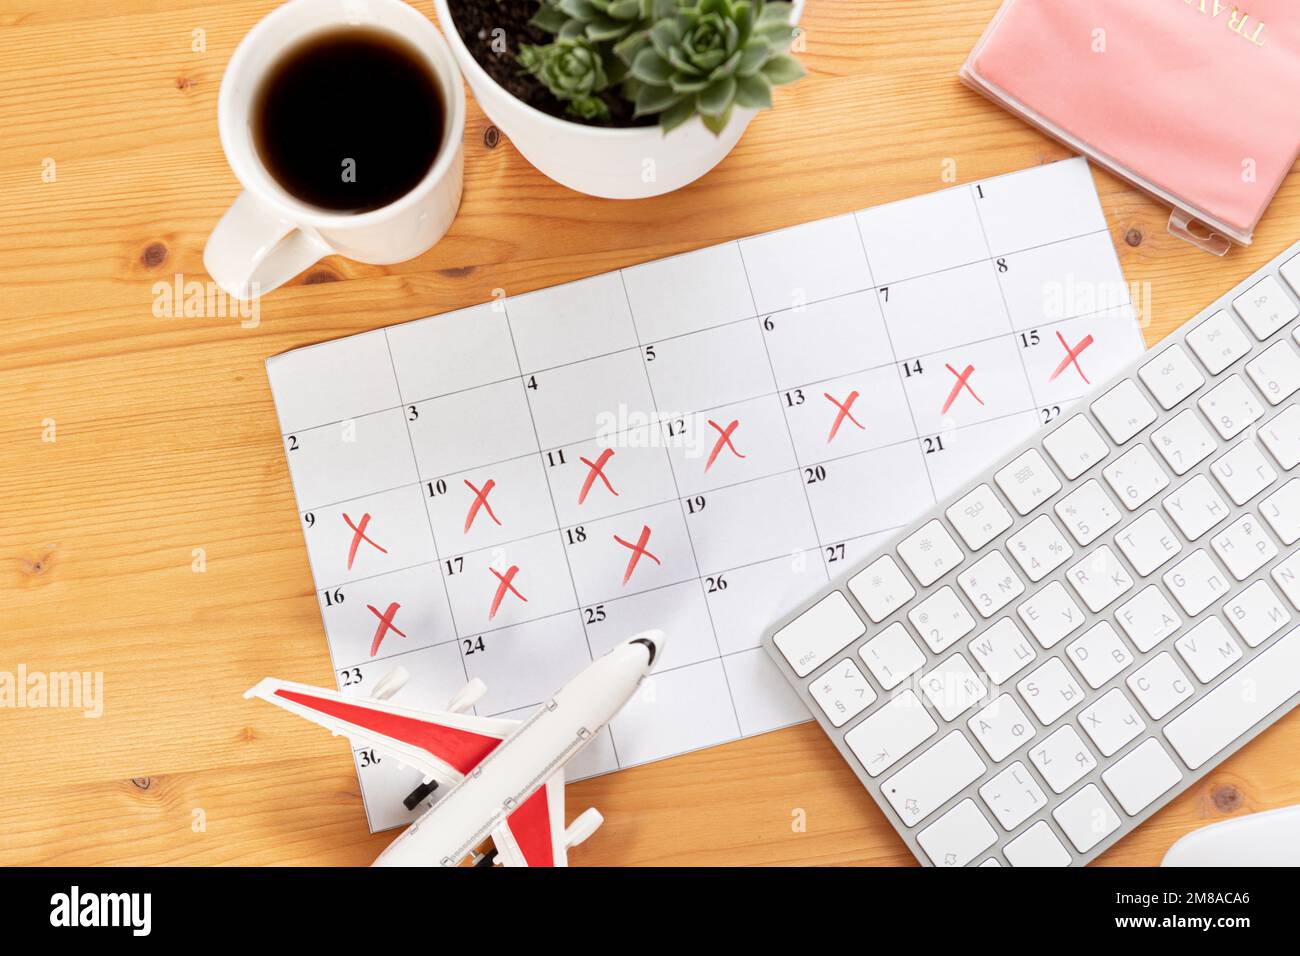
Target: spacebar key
<point>1236,705</point>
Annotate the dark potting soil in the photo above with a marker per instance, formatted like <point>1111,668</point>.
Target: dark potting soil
<point>475,21</point>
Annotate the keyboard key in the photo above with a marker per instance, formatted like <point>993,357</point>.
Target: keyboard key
<point>1276,373</point>
<point>1001,651</point>
<point>991,584</point>
<point>1136,478</point>
<point>1027,482</point>
<point>1256,614</point>
<point>1208,649</point>
<point>1281,437</point>
<point>1218,342</point>
<point>1231,407</point>
<point>1148,543</point>
<point>1142,775</point>
<point>1265,308</point>
<point>930,553</point>
<point>1087,818</point>
<point>952,686</point>
<point>1076,446</point>
<point>1291,273</point>
<point>933,778</point>
<point>1037,846</point>
<point>1087,512</point>
<point>1111,721</point>
<point>1001,727</point>
<point>1050,691</point>
<point>1063,759</point>
<point>821,632</point>
<point>941,619</point>
<point>892,656</point>
<point>1039,548</point>
<point>1160,685</point>
<point>1013,795</point>
<point>1244,547</point>
<point>1172,376</point>
<point>1244,698</point>
<point>1287,576</point>
<point>842,693</point>
<point>1123,411</point>
<point>1196,507</point>
<point>1243,472</point>
<point>979,517</point>
<point>1195,583</point>
<point>1051,615</point>
<point>881,588</point>
<point>1099,579</point>
<point>1099,654</point>
<point>891,733</point>
<point>958,836</point>
<point>1183,442</point>
<point>1148,618</point>
<point>1282,512</point>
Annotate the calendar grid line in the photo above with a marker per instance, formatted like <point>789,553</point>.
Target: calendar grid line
<point>902,385</point>
<point>785,414</point>
<point>796,470</point>
<point>550,491</point>
<point>1045,324</point>
<point>672,470</point>
<point>433,538</point>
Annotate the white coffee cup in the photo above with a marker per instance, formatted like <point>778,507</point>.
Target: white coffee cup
<point>267,236</point>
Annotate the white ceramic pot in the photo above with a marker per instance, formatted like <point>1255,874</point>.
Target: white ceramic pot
<point>631,163</point>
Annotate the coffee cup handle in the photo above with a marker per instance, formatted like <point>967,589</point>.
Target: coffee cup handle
<point>254,250</point>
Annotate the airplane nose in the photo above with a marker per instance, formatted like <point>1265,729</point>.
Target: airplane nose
<point>654,641</point>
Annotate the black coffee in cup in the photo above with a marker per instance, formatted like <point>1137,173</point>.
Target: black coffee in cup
<point>349,119</point>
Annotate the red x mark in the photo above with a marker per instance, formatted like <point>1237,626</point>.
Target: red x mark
<point>480,501</point>
<point>724,441</point>
<point>385,625</point>
<point>638,549</point>
<point>842,414</point>
<point>503,587</point>
<point>963,381</point>
<point>359,535</point>
<point>1071,357</point>
<point>596,470</point>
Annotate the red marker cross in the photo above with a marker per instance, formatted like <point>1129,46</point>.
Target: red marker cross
<point>359,535</point>
<point>480,501</point>
<point>506,585</point>
<point>724,441</point>
<point>638,549</point>
<point>1071,357</point>
<point>843,413</point>
<point>963,381</point>
<point>596,469</point>
<point>385,625</point>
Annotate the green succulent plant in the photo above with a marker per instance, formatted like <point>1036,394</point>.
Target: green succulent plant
<point>710,58</point>
<point>573,70</point>
<point>672,59</point>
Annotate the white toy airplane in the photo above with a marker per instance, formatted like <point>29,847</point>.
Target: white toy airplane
<point>506,776</point>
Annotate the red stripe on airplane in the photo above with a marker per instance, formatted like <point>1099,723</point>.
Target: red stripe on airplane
<point>460,748</point>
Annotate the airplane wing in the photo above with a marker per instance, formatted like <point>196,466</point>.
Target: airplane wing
<point>443,746</point>
<point>534,835</point>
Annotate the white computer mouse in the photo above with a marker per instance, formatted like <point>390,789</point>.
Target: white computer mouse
<point>1271,838</point>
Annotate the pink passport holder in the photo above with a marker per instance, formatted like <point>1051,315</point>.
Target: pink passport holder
<point>1197,102</point>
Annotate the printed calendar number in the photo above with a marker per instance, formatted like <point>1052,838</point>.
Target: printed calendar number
<point>350,677</point>
<point>368,758</point>
<point>333,597</point>
<point>594,615</point>
<point>472,645</point>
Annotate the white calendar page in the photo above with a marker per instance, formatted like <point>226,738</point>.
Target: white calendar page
<point>694,444</point>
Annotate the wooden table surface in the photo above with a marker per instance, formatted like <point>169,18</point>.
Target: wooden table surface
<point>165,438</point>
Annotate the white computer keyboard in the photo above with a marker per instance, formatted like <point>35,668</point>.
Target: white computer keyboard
<point>1054,653</point>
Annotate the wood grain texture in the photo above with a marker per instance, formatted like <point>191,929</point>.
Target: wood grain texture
<point>167,439</point>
